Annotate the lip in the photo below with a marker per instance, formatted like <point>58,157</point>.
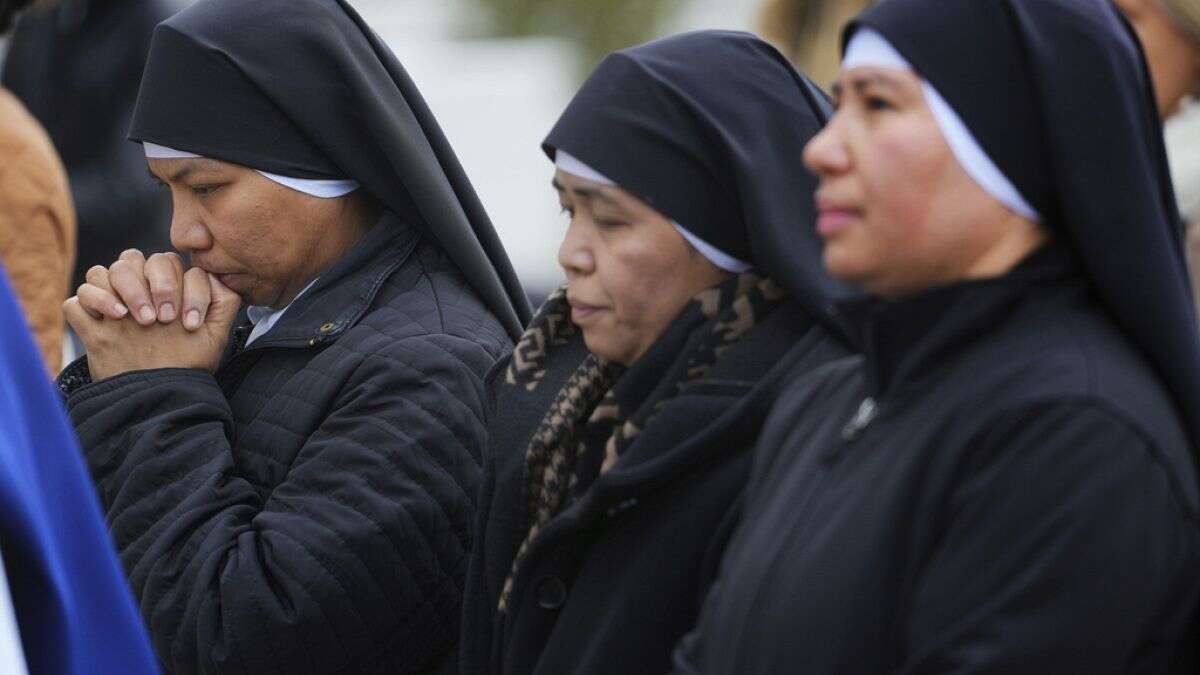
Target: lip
<point>581,311</point>
<point>834,217</point>
<point>223,277</point>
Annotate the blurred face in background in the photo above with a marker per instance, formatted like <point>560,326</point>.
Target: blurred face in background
<point>1172,54</point>
<point>897,212</point>
<point>629,271</point>
<point>263,240</point>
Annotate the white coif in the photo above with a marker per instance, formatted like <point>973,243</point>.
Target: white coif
<point>575,167</point>
<point>325,189</point>
<point>870,49</point>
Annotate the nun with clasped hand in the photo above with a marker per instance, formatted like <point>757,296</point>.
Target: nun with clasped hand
<point>1005,481</point>
<point>624,420</point>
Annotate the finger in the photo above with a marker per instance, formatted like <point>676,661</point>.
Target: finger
<point>128,280</point>
<point>164,274</point>
<point>197,296</point>
<point>132,255</point>
<point>77,318</point>
<point>97,275</point>
<point>99,303</point>
<point>225,304</point>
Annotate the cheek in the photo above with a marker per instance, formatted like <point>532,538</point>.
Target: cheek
<point>903,180</point>
<point>249,231</point>
<point>641,277</point>
<point>627,277</point>
<point>900,182</point>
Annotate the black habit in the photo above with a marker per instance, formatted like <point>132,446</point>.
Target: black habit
<point>1005,481</point>
<point>707,128</point>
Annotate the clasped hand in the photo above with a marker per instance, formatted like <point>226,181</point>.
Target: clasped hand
<point>140,314</point>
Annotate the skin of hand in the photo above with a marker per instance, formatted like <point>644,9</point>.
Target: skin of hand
<point>151,289</point>
<point>123,343</point>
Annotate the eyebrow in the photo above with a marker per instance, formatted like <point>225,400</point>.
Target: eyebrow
<point>192,166</point>
<point>861,82</point>
<point>599,193</point>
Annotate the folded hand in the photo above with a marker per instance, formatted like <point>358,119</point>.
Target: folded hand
<point>128,319</point>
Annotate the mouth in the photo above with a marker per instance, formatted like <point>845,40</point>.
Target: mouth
<point>581,311</point>
<point>224,277</point>
<point>834,217</point>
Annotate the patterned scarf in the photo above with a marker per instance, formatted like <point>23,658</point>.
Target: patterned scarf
<point>603,407</point>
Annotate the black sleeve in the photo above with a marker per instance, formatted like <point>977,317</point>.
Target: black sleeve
<point>479,607</point>
<point>1067,549</point>
<point>354,562</point>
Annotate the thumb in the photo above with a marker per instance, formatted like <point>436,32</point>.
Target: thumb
<point>225,305</point>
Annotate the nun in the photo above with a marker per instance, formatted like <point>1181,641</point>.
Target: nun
<point>1005,481</point>
<point>624,419</point>
<point>291,484</point>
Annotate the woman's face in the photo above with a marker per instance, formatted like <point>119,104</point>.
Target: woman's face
<point>629,272</point>
<point>263,240</point>
<point>896,210</point>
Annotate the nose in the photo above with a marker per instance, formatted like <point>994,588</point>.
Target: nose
<point>826,153</point>
<point>189,234</point>
<point>575,253</point>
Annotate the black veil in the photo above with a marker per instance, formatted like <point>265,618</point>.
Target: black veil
<point>709,128</point>
<point>305,88</point>
<point>1058,94</point>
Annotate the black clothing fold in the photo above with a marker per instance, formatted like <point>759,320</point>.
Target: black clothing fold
<point>999,485</point>
<point>308,508</point>
<point>305,88</point>
<point>612,582</point>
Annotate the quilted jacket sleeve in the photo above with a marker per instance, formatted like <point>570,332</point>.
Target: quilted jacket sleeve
<point>355,563</point>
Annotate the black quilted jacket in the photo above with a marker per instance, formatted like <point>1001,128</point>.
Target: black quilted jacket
<point>307,509</point>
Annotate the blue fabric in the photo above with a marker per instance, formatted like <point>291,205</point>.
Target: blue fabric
<point>73,605</point>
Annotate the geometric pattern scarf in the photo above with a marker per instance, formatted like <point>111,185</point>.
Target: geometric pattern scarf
<point>603,407</point>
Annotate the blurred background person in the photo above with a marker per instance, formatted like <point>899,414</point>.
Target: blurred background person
<point>65,607</point>
<point>37,220</point>
<point>1170,35</point>
<point>808,32</point>
<point>76,65</point>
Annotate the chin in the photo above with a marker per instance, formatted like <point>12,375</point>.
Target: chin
<point>842,264</point>
<point>599,346</point>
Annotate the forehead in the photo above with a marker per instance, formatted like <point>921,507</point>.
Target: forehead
<point>859,78</point>
<point>175,169</point>
<point>571,182</point>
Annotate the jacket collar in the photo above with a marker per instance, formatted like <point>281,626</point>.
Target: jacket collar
<point>904,340</point>
<point>344,292</point>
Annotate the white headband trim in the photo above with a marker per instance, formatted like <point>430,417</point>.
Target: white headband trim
<point>869,48</point>
<point>714,255</point>
<point>323,188</point>
<point>569,164</point>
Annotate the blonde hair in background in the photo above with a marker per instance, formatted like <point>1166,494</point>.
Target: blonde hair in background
<point>809,32</point>
<point>1187,14</point>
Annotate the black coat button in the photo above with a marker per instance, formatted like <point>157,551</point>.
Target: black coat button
<point>551,592</point>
